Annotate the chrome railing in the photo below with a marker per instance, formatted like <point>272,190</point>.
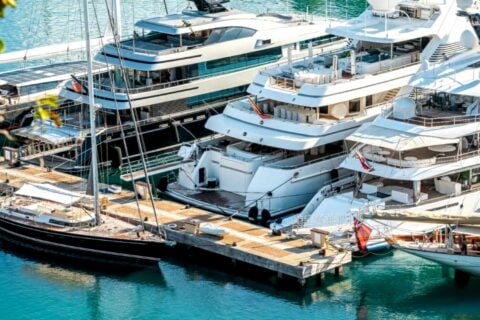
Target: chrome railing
<point>442,121</point>
<point>293,84</point>
<point>159,86</point>
<point>419,163</point>
<point>299,165</point>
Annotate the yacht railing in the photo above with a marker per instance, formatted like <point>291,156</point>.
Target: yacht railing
<point>159,86</point>
<point>442,121</point>
<point>299,165</point>
<point>162,49</point>
<point>430,200</point>
<point>419,163</point>
<point>294,84</point>
<point>244,106</point>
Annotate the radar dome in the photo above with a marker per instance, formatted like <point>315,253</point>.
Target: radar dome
<point>384,5</point>
<point>404,108</point>
<point>339,111</point>
<point>468,39</point>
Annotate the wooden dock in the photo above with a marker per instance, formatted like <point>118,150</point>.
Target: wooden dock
<point>245,242</point>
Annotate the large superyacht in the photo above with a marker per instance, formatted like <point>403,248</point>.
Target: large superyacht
<point>286,142</point>
<point>422,156</point>
<point>169,77</point>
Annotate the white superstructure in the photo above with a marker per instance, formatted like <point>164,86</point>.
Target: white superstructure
<point>421,156</point>
<point>288,143</point>
<point>190,58</point>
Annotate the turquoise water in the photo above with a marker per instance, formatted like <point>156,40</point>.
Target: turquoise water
<point>395,286</point>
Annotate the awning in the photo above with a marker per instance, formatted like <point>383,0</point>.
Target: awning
<point>49,192</point>
<point>49,133</point>
<point>395,140</point>
<point>456,77</point>
<point>270,137</point>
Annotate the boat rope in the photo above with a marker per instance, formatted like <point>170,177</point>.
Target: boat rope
<point>122,130</point>
<point>140,142</point>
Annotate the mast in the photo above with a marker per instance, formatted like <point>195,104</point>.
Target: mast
<point>117,16</point>
<point>91,103</point>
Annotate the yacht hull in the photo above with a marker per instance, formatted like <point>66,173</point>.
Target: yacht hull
<point>468,264</point>
<point>87,248</point>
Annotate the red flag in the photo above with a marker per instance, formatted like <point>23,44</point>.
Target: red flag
<point>77,86</point>
<point>364,162</point>
<point>257,110</point>
<point>362,233</point>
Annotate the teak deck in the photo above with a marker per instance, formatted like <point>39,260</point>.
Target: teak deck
<point>244,242</point>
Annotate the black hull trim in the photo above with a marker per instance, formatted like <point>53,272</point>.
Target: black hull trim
<point>132,253</point>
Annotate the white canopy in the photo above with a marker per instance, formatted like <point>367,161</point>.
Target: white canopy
<point>49,133</point>
<point>49,192</point>
<point>371,134</point>
<point>257,134</point>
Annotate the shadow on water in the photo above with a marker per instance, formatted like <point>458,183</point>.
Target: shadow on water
<point>46,265</point>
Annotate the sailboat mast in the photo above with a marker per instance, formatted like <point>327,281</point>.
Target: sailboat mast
<point>91,102</point>
<point>117,17</point>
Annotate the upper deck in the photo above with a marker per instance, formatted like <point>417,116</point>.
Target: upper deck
<point>179,33</point>
<point>409,20</point>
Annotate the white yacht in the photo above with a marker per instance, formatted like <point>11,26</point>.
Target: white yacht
<point>20,89</point>
<point>179,68</point>
<point>286,143</point>
<point>422,156</point>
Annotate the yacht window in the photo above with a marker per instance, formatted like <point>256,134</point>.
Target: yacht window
<point>369,101</point>
<point>34,88</point>
<point>230,34</point>
<point>245,33</point>
<point>214,36</point>
<point>261,43</point>
<point>323,110</point>
<point>354,106</point>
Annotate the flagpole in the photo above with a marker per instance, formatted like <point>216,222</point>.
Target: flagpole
<point>93,131</point>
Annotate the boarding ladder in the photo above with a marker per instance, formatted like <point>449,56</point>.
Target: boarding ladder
<point>38,150</point>
<point>155,165</point>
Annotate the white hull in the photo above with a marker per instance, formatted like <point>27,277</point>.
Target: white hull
<point>278,190</point>
<point>469,264</point>
<point>339,210</point>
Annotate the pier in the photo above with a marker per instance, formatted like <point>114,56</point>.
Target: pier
<point>244,242</point>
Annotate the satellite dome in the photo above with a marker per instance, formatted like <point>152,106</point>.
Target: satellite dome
<point>385,6</point>
<point>404,108</point>
<point>468,39</point>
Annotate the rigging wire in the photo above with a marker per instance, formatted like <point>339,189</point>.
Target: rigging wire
<point>121,127</point>
<point>134,118</point>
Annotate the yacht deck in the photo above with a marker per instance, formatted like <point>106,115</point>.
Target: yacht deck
<point>214,197</point>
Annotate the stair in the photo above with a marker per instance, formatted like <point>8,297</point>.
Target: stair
<point>391,94</point>
<point>446,51</point>
<point>39,150</point>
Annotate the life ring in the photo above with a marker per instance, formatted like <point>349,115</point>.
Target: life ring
<point>253,213</point>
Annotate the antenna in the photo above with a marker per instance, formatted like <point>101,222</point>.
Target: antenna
<point>93,136</point>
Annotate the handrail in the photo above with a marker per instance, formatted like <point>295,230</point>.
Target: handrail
<point>442,121</point>
<point>429,200</point>
<point>146,88</point>
<point>246,108</point>
<point>294,84</point>
<point>419,163</point>
<point>328,157</point>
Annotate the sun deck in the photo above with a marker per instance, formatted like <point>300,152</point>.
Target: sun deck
<point>397,194</point>
<point>441,109</point>
<point>347,65</point>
